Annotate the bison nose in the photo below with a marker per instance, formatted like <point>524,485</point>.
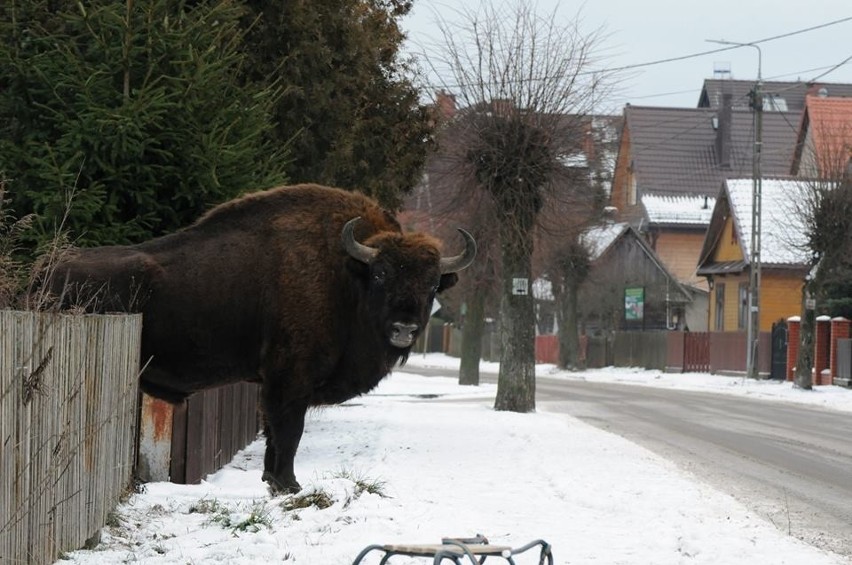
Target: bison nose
<point>403,335</point>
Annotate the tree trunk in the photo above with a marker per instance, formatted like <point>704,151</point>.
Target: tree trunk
<point>805,357</point>
<point>569,336</point>
<point>471,344</point>
<point>516,381</point>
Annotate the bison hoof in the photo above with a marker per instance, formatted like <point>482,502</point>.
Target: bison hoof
<point>281,486</point>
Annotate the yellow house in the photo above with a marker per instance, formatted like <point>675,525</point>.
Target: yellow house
<point>726,258</point>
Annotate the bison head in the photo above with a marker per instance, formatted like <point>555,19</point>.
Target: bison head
<point>403,273</point>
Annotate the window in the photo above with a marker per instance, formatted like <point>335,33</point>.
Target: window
<point>742,318</point>
<point>720,307</point>
<point>774,103</point>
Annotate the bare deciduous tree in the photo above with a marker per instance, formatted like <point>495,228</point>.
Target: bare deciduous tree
<point>826,209</point>
<point>525,85</point>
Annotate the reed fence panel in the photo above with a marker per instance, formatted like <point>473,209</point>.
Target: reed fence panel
<point>68,417</point>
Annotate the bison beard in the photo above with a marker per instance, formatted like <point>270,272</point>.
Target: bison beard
<point>311,291</point>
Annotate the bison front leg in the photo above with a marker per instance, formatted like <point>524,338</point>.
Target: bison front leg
<point>284,427</point>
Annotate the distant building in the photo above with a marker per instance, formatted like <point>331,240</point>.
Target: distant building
<point>824,138</point>
<point>672,161</point>
<point>726,256</point>
<point>629,288</point>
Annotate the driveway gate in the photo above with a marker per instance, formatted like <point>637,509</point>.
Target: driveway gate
<point>696,352</point>
<point>778,370</point>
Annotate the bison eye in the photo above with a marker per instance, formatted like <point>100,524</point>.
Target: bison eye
<point>379,277</point>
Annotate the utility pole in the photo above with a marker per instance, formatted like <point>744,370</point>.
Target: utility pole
<point>756,209</point>
<point>753,319</point>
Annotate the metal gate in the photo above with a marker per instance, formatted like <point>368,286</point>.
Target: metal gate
<point>778,370</point>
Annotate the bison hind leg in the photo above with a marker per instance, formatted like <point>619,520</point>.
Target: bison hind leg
<point>276,487</point>
<point>283,426</point>
<point>269,459</point>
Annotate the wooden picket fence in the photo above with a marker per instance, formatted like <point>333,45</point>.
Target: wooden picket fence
<point>68,418</point>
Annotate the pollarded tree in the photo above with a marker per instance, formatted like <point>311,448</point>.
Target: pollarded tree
<point>826,208</point>
<point>525,85</point>
<point>133,105</point>
<point>828,212</point>
<point>570,265</point>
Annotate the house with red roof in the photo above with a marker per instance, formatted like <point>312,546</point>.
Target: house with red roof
<point>824,141</point>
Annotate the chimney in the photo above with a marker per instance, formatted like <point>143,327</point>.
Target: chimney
<point>502,107</point>
<point>816,89</point>
<point>723,132</point>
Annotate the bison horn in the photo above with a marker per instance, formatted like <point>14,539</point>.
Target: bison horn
<point>358,251</point>
<point>459,262</point>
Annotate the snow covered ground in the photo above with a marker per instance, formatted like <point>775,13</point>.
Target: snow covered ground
<point>404,465</point>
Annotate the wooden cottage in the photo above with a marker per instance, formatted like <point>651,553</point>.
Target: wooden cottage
<point>629,287</point>
<point>726,256</point>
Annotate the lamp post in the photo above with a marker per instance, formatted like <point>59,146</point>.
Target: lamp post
<point>753,320</point>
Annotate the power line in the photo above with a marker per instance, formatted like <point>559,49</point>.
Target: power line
<point>686,57</point>
<point>721,49</point>
<point>802,71</point>
<point>832,69</point>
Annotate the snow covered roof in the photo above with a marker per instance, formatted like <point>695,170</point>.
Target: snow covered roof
<point>598,239</point>
<point>782,227</point>
<point>678,209</point>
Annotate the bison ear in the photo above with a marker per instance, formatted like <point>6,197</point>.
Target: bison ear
<point>448,280</point>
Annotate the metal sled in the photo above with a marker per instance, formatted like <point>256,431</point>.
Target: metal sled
<point>476,549</point>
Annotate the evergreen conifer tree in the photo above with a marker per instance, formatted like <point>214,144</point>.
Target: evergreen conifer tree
<point>135,106</point>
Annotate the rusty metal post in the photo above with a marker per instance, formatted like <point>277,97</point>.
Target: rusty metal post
<point>155,440</point>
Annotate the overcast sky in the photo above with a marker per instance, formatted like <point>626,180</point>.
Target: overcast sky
<point>640,31</point>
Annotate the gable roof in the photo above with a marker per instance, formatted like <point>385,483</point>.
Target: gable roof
<point>827,123</point>
<point>603,238</point>
<point>599,238</point>
<point>673,150</point>
<point>782,227</point>
<point>792,93</point>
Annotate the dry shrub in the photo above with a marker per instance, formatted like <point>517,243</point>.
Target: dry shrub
<point>24,283</point>
<point>13,270</point>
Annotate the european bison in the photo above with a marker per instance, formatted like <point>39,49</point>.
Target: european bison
<point>313,292</point>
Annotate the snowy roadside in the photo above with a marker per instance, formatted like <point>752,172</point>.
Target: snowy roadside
<point>834,397</point>
<point>402,465</point>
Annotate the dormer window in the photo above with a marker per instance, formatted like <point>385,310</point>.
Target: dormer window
<point>774,103</point>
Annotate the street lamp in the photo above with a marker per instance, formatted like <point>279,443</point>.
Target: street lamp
<point>753,320</point>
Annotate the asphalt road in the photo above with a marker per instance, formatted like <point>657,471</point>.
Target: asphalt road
<point>791,464</point>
